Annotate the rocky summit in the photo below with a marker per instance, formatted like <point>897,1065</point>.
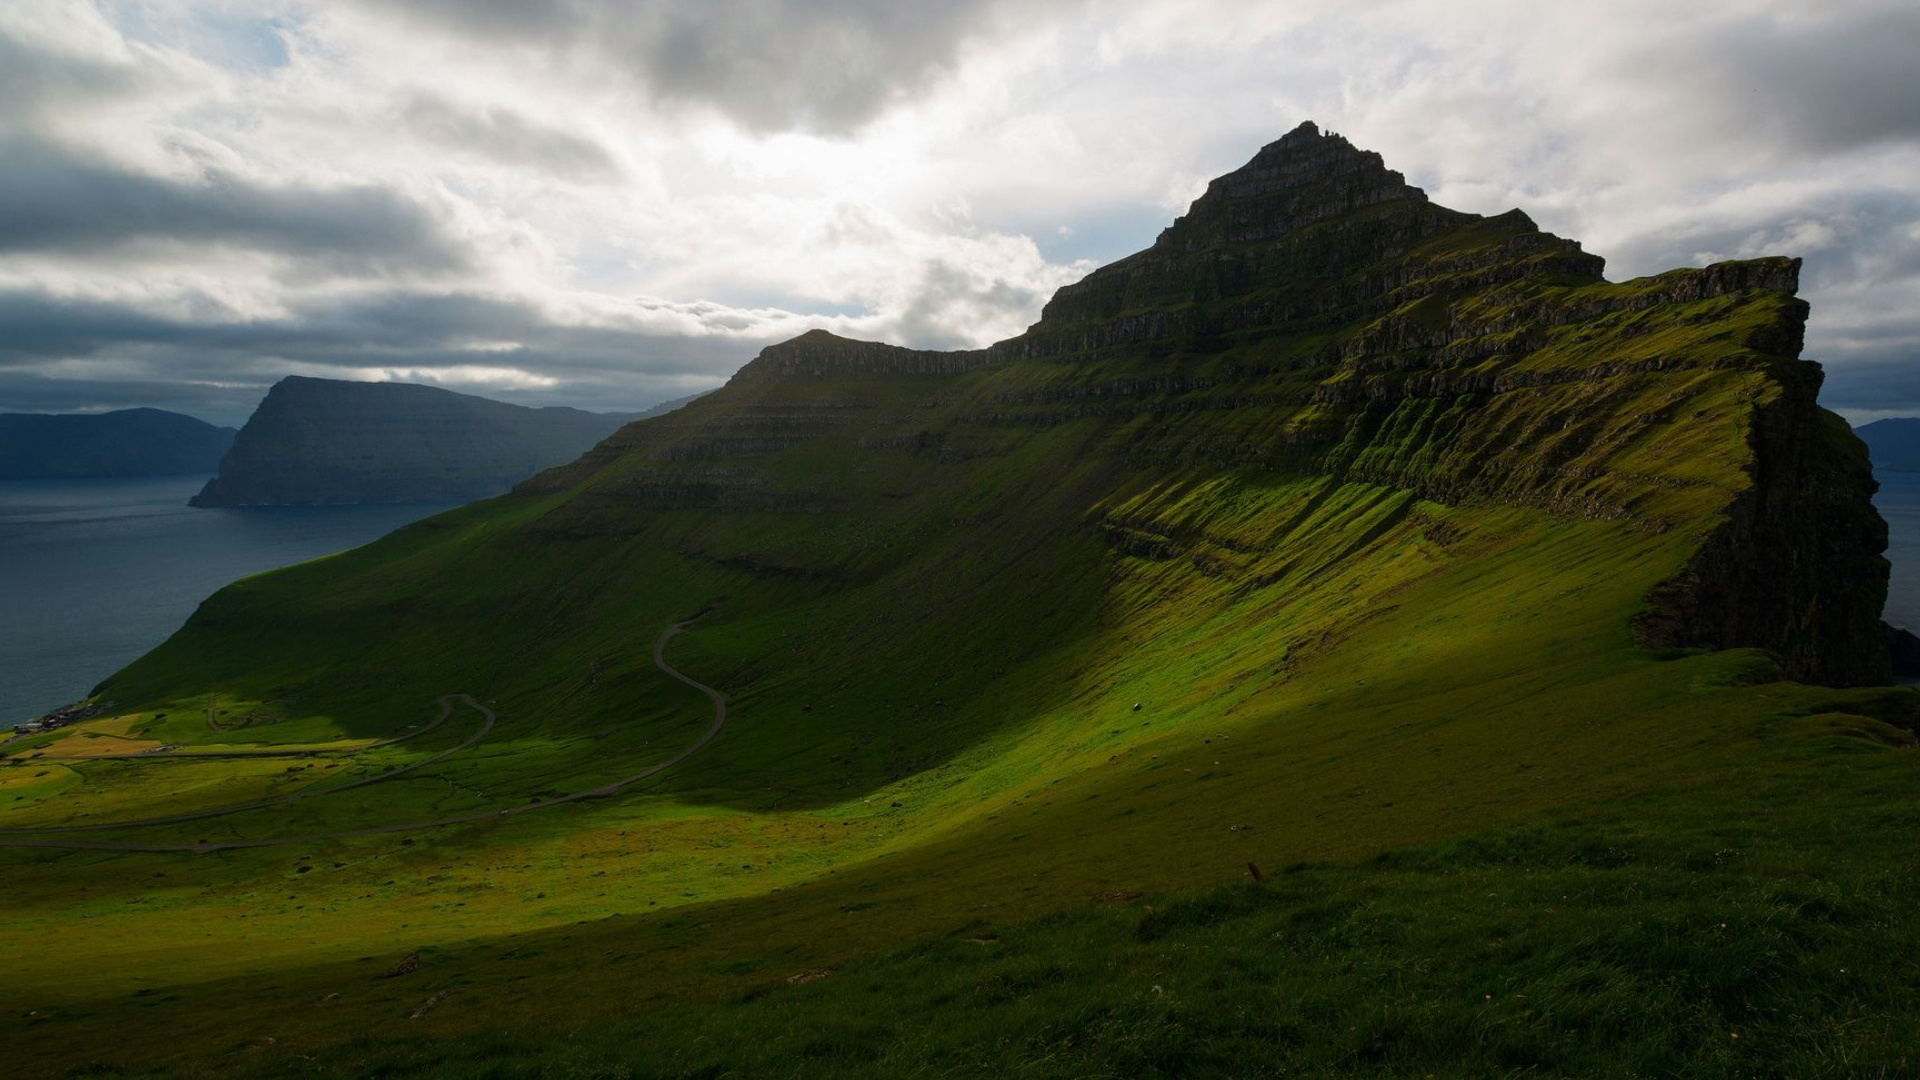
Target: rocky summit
<point>1314,315</point>
<point>1350,637</point>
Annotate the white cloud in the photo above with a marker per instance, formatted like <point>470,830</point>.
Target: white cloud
<point>567,209</point>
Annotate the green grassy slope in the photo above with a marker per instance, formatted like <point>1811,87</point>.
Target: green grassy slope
<point>1407,535</point>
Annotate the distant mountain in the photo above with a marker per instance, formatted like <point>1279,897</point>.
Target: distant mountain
<point>666,407</point>
<point>1894,445</point>
<point>327,442</point>
<point>128,442</point>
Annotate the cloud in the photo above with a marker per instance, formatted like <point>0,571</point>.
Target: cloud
<point>506,137</point>
<point>950,303</point>
<point>506,347</point>
<point>772,65</point>
<point>36,79</point>
<point>1816,79</point>
<point>54,201</point>
<point>1736,130</point>
<point>610,203</point>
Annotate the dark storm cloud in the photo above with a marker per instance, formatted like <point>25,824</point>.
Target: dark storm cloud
<point>1882,376</point>
<point>35,327</point>
<point>509,138</point>
<point>54,201</point>
<point>33,79</point>
<point>825,65</point>
<point>215,402</point>
<point>1812,81</point>
<point>112,354</point>
<point>387,330</point>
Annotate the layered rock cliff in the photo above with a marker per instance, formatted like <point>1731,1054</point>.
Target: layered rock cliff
<point>1313,315</point>
<point>123,443</point>
<point>322,441</point>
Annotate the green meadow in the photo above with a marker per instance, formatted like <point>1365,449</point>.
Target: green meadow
<point>1494,834</point>
<point>1273,700</point>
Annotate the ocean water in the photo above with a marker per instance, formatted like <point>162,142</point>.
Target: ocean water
<point>1899,502</point>
<point>93,573</point>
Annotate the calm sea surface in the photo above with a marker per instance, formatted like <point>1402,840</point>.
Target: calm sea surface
<point>1899,503</point>
<point>94,573</point>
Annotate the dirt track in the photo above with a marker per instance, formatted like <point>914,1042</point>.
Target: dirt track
<point>39,838</point>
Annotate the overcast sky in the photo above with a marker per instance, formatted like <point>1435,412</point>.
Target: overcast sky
<point>608,204</point>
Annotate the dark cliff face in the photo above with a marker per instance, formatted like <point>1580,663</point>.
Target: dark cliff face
<point>1796,567</point>
<point>1311,233</point>
<point>321,441</point>
<point>124,443</point>
<point>1313,315</point>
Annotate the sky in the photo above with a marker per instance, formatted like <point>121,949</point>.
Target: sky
<point>610,204</point>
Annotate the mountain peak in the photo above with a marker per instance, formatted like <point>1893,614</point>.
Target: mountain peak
<point>1308,130</point>
<point>821,353</point>
<point>1303,177</point>
<point>1311,228</point>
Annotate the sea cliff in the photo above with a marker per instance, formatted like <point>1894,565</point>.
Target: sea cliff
<point>324,441</point>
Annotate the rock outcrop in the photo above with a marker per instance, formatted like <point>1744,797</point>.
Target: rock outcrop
<point>124,443</point>
<point>1313,315</point>
<point>819,354</point>
<point>322,441</point>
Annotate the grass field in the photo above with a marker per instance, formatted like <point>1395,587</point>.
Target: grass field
<point>1413,814</point>
<point>1295,698</point>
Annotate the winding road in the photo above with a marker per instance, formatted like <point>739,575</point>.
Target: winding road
<point>38,838</point>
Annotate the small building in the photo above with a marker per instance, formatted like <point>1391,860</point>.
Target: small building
<point>30,728</point>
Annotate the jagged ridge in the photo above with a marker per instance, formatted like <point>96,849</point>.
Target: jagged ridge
<point>1313,314</point>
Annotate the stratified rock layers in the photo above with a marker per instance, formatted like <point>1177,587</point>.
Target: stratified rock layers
<point>1313,315</point>
<point>322,441</point>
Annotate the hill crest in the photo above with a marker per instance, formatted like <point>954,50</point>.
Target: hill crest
<point>328,441</point>
<point>1384,340</point>
<point>122,443</point>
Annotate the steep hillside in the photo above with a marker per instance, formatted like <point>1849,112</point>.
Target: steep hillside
<point>127,442</point>
<point>322,441</point>
<point>1470,607</point>
<point>1314,316</point>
